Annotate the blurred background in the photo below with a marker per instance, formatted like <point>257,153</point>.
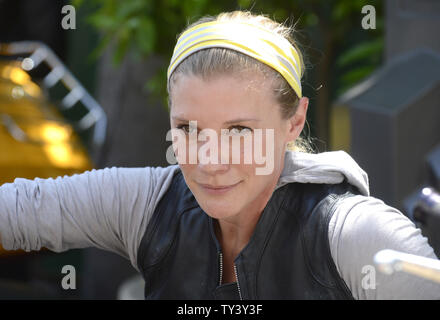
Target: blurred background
<point>90,92</point>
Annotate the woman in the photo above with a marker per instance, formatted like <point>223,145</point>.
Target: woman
<point>303,228</point>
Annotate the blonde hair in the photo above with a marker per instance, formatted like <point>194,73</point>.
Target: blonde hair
<point>214,61</point>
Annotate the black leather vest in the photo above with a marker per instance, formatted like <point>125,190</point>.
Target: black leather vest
<point>287,257</point>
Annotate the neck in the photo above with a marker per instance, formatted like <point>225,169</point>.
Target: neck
<point>235,232</point>
<point>234,235</point>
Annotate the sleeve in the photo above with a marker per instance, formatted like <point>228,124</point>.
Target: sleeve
<point>107,208</point>
<point>360,227</point>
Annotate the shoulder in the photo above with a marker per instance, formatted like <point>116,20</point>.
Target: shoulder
<point>359,228</point>
<point>358,218</point>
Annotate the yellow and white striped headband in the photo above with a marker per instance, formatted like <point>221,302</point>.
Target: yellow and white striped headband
<point>254,41</point>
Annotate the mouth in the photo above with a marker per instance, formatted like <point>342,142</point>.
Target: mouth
<point>218,189</point>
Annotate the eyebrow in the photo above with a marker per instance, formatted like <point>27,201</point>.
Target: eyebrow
<point>238,120</point>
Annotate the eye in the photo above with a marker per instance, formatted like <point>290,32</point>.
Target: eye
<point>240,130</point>
<point>186,128</point>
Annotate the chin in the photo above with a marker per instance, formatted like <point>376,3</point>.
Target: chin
<point>218,210</point>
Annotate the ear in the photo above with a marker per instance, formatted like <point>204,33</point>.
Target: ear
<point>296,122</point>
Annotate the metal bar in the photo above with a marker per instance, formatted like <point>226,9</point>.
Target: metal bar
<point>389,261</point>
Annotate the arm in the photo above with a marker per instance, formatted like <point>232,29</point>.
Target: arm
<point>108,209</point>
<point>361,227</point>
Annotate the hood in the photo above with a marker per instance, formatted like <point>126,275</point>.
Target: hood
<point>326,167</point>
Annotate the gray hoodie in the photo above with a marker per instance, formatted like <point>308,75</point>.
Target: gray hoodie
<point>110,209</point>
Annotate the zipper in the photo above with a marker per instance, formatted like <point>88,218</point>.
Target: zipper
<point>238,283</point>
<point>220,281</point>
<point>221,268</point>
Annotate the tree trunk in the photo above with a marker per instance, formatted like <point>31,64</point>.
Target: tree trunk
<point>322,114</point>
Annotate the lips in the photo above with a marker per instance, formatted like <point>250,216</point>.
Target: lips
<point>218,189</point>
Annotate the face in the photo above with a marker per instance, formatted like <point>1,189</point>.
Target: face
<point>242,106</point>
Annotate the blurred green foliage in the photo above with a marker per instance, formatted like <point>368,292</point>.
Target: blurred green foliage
<point>146,27</point>
<point>365,57</point>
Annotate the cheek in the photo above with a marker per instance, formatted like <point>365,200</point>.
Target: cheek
<point>268,153</point>
<point>187,171</point>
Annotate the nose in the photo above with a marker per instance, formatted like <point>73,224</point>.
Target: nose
<point>213,161</point>
<point>212,169</point>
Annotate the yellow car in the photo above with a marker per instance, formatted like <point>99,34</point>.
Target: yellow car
<point>35,139</point>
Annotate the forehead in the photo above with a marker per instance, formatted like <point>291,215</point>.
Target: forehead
<point>221,97</point>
